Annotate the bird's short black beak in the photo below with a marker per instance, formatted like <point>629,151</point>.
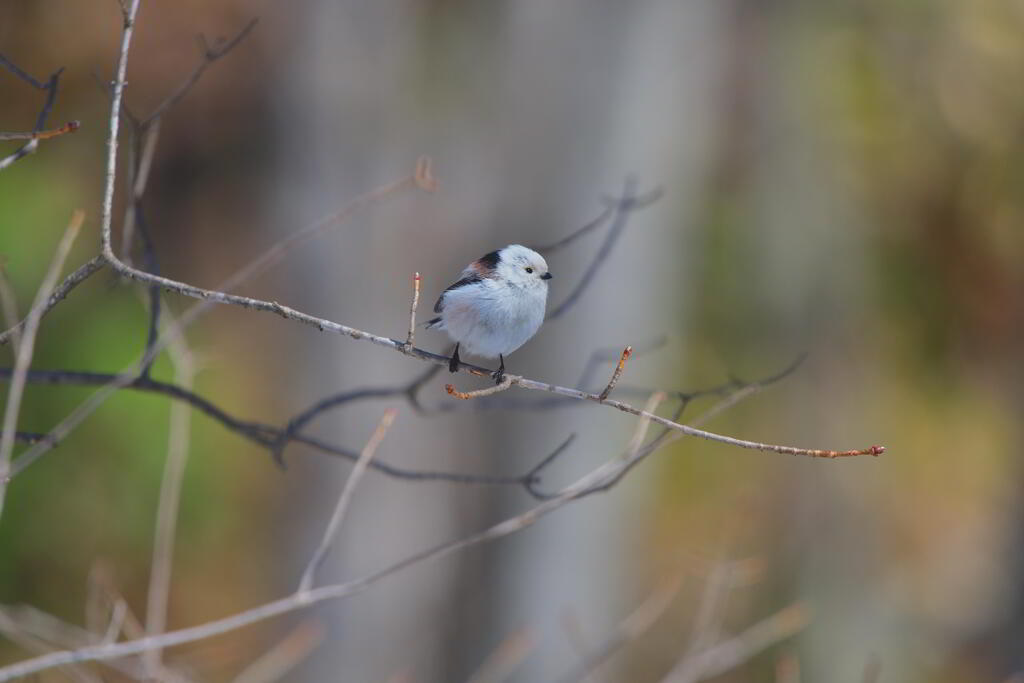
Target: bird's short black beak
<point>545,276</point>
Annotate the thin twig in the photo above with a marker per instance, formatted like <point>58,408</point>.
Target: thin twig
<point>630,629</point>
<point>500,664</point>
<point>142,148</point>
<point>27,346</point>
<point>344,500</point>
<point>410,338</point>
<point>732,653</point>
<point>423,175</point>
<point>638,202</point>
<point>60,291</point>
<point>601,219</point>
<point>787,669</point>
<point>505,383</point>
<point>624,206</point>
<point>707,623</point>
<point>620,366</point>
<point>9,307</point>
<point>50,86</point>
<point>15,632</point>
<point>117,617</point>
<point>69,127</point>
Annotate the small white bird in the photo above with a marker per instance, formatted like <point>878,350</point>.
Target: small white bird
<point>496,306</point>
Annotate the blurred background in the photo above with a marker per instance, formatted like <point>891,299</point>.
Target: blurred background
<point>841,179</point>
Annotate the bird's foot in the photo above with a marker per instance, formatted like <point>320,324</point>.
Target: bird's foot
<point>499,374</point>
<point>453,364</point>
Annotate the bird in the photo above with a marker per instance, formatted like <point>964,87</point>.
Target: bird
<point>497,304</point>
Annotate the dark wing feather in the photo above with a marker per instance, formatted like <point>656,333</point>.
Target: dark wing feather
<point>468,280</point>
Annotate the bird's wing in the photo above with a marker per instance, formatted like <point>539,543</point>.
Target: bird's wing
<point>469,279</point>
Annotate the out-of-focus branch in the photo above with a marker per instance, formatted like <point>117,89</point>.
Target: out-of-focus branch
<point>612,205</point>
<point>733,652</point>
<point>208,55</point>
<point>26,347</point>
<point>624,206</point>
<point>179,432</point>
<point>506,658</point>
<point>271,437</point>
<point>630,629</point>
<point>9,306</point>
<point>354,477</point>
<point>281,658</point>
<point>301,599</point>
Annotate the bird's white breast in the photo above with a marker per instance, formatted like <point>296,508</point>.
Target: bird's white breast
<point>489,319</point>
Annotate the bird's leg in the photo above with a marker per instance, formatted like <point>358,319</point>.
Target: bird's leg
<point>453,364</point>
<point>499,374</point>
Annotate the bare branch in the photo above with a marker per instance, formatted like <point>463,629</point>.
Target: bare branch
<point>516,380</point>
<point>27,346</point>
<point>344,500</point>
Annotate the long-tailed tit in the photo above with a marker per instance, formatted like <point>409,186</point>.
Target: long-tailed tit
<point>496,306</point>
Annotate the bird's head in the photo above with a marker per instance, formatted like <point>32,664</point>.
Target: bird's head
<point>520,266</point>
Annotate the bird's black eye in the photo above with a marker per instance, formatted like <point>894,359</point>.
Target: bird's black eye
<point>529,270</point>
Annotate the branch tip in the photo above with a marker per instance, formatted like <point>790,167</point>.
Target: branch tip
<point>410,337</point>
<point>626,353</point>
<point>505,383</point>
<point>423,176</point>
